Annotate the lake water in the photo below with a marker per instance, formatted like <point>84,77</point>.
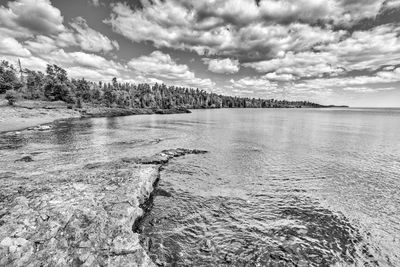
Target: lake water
<point>279,187</point>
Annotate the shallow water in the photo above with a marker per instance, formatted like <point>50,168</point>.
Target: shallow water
<point>279,187</point>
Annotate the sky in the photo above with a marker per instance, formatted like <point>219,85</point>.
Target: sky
<point>344,52</point>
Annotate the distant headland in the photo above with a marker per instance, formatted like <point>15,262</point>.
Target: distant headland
<point>29,97</point>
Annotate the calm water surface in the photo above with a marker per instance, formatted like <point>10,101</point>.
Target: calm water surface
<point>279,187</point>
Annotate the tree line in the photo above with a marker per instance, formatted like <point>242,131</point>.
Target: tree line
<point>55,85</point>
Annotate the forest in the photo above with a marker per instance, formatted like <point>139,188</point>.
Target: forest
<point>55,85</point>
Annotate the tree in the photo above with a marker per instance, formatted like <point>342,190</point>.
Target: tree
<point>34,84</point>
<point>115,83</point>
<point>8,77</point>
<point>82,89</point>
<point>57,86</point>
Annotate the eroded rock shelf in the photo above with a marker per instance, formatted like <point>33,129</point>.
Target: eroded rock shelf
<point>80,217</point>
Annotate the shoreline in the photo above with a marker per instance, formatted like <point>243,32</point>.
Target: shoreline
<point>82,216</point>
<point>34,114</point>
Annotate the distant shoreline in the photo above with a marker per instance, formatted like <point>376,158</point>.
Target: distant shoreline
<point>32,114</point>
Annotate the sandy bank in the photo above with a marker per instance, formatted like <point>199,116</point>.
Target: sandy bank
<point>82,216</point>
<point>27,114</point>
<point>33,113</point>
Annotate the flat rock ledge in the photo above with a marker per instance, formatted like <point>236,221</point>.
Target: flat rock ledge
<point>82,217</point>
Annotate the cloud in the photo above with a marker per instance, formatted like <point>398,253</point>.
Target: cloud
<point>383,79</point>
<point>91,40</point>
<point>273,76</point>
<point>10,46</point>
<point>26,17</point>
<point>95,3</point>
<point>187,26</point>
<point>41,45</point>
<point>304,64</point>
<point>252,87</point>
<point>161,66</point>
<point>285,11</point>
<point>391,4</point>
<point>369,49</point>
<point>38,19</point>
<point>227,65</point>
<point>364,89</point>
<point>362,50</point>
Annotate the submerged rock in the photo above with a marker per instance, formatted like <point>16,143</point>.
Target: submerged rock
<point>80,216</point>
<point>166,155</point>
<point>25,159</point>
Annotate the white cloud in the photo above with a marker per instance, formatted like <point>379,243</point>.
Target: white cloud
<point>181,25</point>
<point>38,19</point>
<point>253,84</point>
<point>363,89</point>
<point>26,17</point>
<point>304,64</point>
<point>10,46</point>
<point>369,49</point>
<point>41,45</point>
<point>273,76</point>
<point>96,3</point>
<point>91,40</point>
<point>161,66</point>
<point>391,4</point>
<point>374,82</point>
<point>225,65</point>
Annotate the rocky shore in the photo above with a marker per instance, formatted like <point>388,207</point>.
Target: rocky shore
<point>30,113</point>
<point>79,217</point>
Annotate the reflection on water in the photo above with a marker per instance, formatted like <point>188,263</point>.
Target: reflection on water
<point>279,187</point>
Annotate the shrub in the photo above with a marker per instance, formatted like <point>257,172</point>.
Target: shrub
<point>11,97</point>
<point>79,103</point>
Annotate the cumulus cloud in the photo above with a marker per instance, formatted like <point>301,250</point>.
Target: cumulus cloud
<point>95,3</point>
<point>36,20</point>
<point>304,64</point>
<point>187,26</point>
<point>226,65</point>
<point>162,67</point>
<point>368,49</point>
<point>273,76</point>
<point>363,89</point>
<point>89,39</point>
<point>26,17</point>
<point>379,80</point>
<point>10,46</point>
<point>252,87</point>
<point>41,44</point>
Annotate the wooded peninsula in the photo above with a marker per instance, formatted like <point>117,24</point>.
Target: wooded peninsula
<point>55,85</point>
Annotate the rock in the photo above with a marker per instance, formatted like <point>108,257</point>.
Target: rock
<point>79,216</point>
<point>228,258</point>
<point>44,127</point>
<point>6,174</point>
<point>164,156</point>
<point>161,192</point>
<point>207,246</point>
<point>93,165</point>
<point>25,159</point>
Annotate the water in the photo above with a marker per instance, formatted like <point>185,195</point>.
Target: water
<point>285,187</point>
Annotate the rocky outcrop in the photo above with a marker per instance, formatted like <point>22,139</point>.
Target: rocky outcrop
<point>164,156</point>
<point>79,217</point>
